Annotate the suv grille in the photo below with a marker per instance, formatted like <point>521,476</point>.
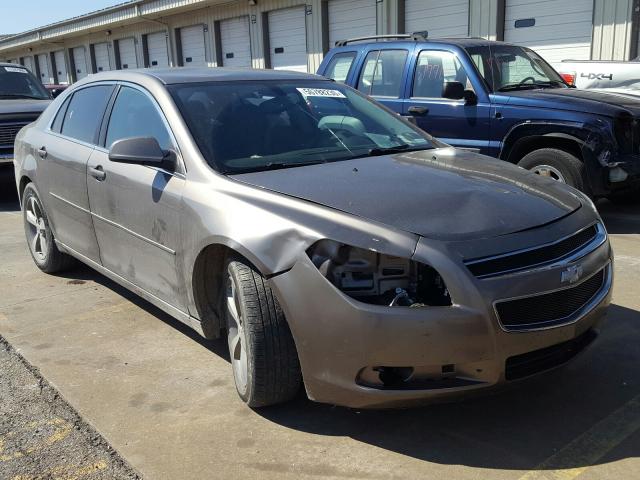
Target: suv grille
<point>548,309</point>
<point>8,133</point>
<point>534,257</point>
<point>530,363</point>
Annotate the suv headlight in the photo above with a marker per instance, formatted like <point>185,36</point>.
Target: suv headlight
<point>379,279</point>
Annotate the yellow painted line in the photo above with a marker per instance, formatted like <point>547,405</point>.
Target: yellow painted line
<point>590,447</point>
<point>62,429</point>
<point>66,472</point>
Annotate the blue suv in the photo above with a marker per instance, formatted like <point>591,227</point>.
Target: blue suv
<point>500,100</point>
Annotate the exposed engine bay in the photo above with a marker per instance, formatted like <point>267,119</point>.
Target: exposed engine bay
<point>374,278</point>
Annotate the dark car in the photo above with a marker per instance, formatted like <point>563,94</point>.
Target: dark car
<point>22,100</point>
<point>504,101</point>
<point>336,245</point>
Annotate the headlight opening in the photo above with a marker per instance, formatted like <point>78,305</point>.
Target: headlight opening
<point>379,279</point>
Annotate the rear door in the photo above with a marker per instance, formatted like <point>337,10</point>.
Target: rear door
<point>235,42</point>
<point>455,122</point>
<point>136,208</point>
<point>62,169</point>
<point>383,75</point>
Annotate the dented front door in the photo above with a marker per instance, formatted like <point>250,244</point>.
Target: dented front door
<point>136,214</point>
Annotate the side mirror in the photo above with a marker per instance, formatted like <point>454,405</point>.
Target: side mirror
<point>453,91</point>
<point>137,150</point>
<point>470,97</point>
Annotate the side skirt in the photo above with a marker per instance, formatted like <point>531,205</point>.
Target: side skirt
<point>149,297</point>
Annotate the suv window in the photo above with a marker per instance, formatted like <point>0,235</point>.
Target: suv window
<point>84,114</point>
<point>135,115</point>
<point>381,75</point>
<point>339,66</point>
<point>435,68</point>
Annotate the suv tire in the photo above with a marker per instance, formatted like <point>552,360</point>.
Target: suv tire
<point>262,352</point>
<point>40,238</point>
<point>557,164</point>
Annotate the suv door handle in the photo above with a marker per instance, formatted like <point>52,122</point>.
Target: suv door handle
<point>418,110</point>
<point>98,173</point>
<point>42,152</point>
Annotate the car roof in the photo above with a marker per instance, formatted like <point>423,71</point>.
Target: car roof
<point>460,42</point>
<point>17,65</point>
<point>174,75</point>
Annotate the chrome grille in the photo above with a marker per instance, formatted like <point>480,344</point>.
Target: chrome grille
<point>536,257</point>
<point>8,132</point>
<point>552,308</point>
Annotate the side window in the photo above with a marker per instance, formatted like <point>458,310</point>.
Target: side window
<point>381,75</point>
<point>135,115</point>
<point>84,113</point>
<point>339,66</point>
<point>56,126</point>
<point>434,68</point>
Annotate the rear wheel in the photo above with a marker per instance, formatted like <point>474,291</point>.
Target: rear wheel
<point>558,165</point>
<point>263,355</point>
<point>40,238</point>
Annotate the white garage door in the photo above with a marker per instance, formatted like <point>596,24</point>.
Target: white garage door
<point>350,19</point>
<point>288,39</point>
<point>192,39</point>
<point>556,29</point>
<point>441,18</point>
<point>101,51</point>
<point>43,65</point>
<point>61,67</point>
<point>28,62</point>
<point>157,48</point>
<point>236,44</point>
<point>128,57</point>
<point>80,62</point>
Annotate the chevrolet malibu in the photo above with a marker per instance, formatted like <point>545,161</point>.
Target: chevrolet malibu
<point>332,243</point>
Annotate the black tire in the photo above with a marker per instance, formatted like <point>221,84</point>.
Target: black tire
<point>47,257</point>
<point>273,370</point>
<point>571,168</point>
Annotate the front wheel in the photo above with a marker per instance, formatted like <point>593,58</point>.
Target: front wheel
<point>261,348</point>
<point>40,238</point>
<point>558,165</point>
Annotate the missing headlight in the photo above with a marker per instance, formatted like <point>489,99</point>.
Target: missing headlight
<point>378,279</point>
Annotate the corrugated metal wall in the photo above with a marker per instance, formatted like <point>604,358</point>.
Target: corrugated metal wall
<point>612,30</point>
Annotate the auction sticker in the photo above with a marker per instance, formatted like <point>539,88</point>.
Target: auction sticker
<point>15,70</point>
<point>320,92</point>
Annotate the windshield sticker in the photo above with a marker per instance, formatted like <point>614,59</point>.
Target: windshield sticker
<point>15,70</point>
<point>320,92</point>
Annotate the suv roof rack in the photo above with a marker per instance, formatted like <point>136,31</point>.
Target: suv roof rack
<point>416,37</point>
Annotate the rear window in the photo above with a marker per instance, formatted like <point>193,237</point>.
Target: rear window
<point>84,113</point>
<point>340,66</point>
<point>381,75</point>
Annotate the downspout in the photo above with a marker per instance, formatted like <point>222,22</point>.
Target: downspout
<point>170,42</point>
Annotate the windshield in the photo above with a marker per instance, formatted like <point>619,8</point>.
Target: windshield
<point>509,67</point>
<point>18,82</point>
<point>249,125</point>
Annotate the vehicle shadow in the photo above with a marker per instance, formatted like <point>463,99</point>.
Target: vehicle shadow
<point>9,197</point>
<point>620,219</point>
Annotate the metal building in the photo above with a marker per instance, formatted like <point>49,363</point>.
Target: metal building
<point>295,34</point>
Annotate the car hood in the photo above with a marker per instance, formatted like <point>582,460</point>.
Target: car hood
<point>442,194</point>
<point>576,100</point>
<point>20,105</point>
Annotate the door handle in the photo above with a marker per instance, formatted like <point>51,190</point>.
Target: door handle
<point>418,110</point>
<point>42,152</point>
<point>98,173</point>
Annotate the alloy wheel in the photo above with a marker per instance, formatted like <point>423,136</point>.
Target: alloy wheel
<point>37,231</point>
<point>549,171</point>
<point>235,336</point>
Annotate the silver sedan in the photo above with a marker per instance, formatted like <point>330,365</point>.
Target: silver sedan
<point>333,243</point>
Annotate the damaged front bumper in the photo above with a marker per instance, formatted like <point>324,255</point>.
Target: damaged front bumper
<point>362,355</point>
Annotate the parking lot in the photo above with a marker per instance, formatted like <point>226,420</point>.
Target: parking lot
<point>165,399</point>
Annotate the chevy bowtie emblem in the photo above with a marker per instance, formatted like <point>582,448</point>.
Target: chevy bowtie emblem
<point>572,274</point>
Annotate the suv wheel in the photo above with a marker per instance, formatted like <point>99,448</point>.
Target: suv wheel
<point>261,349</point>
<point>556,164</point>
<point>40,238</point>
